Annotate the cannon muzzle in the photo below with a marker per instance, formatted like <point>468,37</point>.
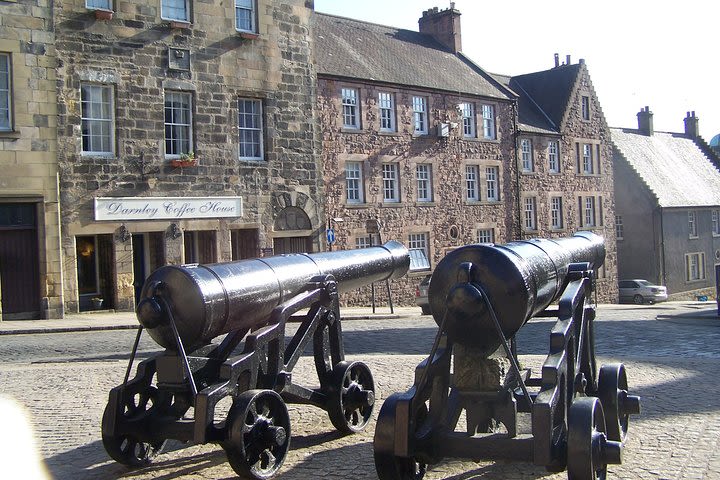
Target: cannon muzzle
<point>211,300</point>
<point>519,279</point>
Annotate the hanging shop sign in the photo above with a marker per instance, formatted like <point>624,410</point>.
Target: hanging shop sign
<point>158,208</point>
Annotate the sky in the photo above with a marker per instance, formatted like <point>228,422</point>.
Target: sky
<point>654,53</point>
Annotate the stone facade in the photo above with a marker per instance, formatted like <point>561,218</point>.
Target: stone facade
<point>447,219</point>
<point>31,267</point>
<point>144,59</point>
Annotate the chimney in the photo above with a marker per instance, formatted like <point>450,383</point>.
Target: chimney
<point>567,59</point>
<point>692,129</point>
<point>557,60</point>
<point>645,121</point>
<point>443,25</point>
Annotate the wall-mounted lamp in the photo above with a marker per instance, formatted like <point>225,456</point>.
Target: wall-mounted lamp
<point>174,231</point>
<point>123,235</point>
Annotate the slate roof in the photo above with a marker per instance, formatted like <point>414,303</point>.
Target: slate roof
<point>673,167</point>
<point>355,49</point>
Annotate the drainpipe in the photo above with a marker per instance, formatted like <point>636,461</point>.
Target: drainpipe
<point>517,172</point>
<point>663,275</point>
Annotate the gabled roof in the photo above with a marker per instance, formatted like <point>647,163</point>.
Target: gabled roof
<point>548,90</point>
<point>359,50</point>
<point>672,165</point>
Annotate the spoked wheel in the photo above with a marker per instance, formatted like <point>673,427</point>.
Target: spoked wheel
<point>352,398</point>
<point>258,434</point>
<point>388,465</point>
<point>617,404</point>
<point>589,450</point>
<point>638,300</point>
<point>125,448</point>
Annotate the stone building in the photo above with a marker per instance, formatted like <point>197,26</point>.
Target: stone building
<point>30,262</point>
<point>667,192</point>
<point>185,134</point>
<point>415,138</point>
<point>564,156</point>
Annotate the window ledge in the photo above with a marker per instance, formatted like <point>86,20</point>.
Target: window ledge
<point>388,134</point>
<point>101,14</point>
<point>430,203</point>
<point>391,205</point>
<point>177,24</point>
<point>351,130</point>
<point>529,173</point>
<point>249,35</point>
<point>10,134</point>
<point>357,205</point>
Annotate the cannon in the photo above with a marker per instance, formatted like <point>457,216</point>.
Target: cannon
<point>178,393</point>
<point>571,416</point>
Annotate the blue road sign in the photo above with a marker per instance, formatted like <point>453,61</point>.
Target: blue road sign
<point>330,235</point>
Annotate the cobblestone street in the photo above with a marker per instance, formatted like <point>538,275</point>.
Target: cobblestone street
<point>671,366</point>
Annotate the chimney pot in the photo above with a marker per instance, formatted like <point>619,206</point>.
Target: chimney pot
<point>567,59</point>
<point>557,60</point>
<point>645,121</point>
<point>692,125</point>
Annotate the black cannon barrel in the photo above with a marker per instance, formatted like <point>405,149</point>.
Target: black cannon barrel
<point>520,279</point>
<point>210,300</point>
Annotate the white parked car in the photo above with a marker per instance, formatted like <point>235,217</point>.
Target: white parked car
<point>641,291</point>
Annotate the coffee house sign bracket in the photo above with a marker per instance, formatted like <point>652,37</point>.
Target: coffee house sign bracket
<point>166,208</point>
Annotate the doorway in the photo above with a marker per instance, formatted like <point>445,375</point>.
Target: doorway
<point>148,255</point>
<point>95,272</point>
<point>19,263</point>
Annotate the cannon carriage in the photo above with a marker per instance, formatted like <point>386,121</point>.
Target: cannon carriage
<point>481,296</point>
<point>176,394</point>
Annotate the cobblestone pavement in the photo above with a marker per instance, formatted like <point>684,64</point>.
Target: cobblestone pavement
<point>671,365</point>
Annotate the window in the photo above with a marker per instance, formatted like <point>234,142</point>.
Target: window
<point>5,93</point>
<point>98,5</point>
<point>176,10</point>
<point>362,242</point>
<point>387,112</point>
<point>245,15</point>
<point>526,155</point>
<point>619,227</point>
<point>692,224</point>
<point>585,107</point>
<point>351,118</point>
<point>391,187</point>
<point>529,214</point>
<point>472,183</point>
<point>716,222</point>
<point>250,126</point>
<point>694,266</point>
<point>488,113</point>
<point>419,254</point>
<point>178,128</point>
<point>97,119</point>
<point>468,119</point>
<point>423,176</point>
<point>486,235</point>
<point>553,157</point>
<point>556,213</point>
<point>491,181</point>
<point>587,160</point>
<point>419,105</point>
<point>354,182</point>
<point>589,212</point>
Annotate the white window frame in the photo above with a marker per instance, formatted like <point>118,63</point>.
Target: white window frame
<point>6,88</point>
<point>246,7</point>
<point>715,222</point>
<point>556,213</point>
<point>391,182</point>
<point>350,108</point>
<point>554,156</point>
<point>526,155</point>
<point>250,129</point>
<point>587,159</point>
<point>105,5</point>
<point>492,190</point>
<point>423,178</point>
<point>184,145</point>
<point>530,213</point>
<point>418,246</point>
<point>467,111</point>
<point>97,116</point>
<point>694,266</point>
<point>619,227</point>
<point>354,185</point>
<point>420,117</point>
<point>486,235</point>
<point>386,108</point>
<point>585,107</point>
<point>362,242</point>
<point>692,224</point>
<point>472,183</point>
<point>488,113</point>
<point>169,9</point>
<point>589,217</point>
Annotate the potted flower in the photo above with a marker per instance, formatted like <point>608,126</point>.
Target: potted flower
<point>185,160</point>
<point>97,302</point>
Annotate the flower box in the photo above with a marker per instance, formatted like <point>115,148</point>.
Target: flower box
<point>103,14</point>
<point>179,162</point>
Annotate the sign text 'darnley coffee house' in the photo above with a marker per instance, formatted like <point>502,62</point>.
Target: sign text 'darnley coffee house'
<point>166,208</point>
